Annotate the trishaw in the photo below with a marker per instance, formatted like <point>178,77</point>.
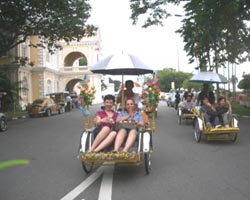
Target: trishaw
<point>200,128</point>
<point>141,153</point>
<point>143,148</point>
<point>185,116</point>
<point>222,133</point>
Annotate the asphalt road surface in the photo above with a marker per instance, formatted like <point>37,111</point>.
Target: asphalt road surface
<point>182,169</point>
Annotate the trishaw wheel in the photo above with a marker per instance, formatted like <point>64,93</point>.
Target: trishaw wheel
<point>3,125</point>
<point>197,132</point>
<point>179,120</point>
<point>235,137</point>
<point>147,162</point>
<point>48,113</point>
<point>87,166</point>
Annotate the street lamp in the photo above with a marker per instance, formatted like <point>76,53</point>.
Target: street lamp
<point>177,43</point>
<point>178,57</point>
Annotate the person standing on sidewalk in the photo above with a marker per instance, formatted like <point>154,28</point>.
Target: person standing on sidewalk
<point>68,103</point>
<point>177,99</point>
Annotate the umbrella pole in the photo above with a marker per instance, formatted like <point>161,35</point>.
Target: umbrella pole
<point>123,103</point>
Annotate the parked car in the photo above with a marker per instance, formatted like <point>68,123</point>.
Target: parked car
<point>60,99</point>
<point>44,107</point>
<point>3,122</point>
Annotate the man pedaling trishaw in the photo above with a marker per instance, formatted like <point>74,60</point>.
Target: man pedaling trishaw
<point>186,108</point>
<point>216,122</point>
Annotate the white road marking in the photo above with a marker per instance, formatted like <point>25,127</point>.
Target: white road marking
<point>82,186</point>
<point>106,184</point>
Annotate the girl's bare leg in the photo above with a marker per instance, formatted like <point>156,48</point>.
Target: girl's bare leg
<point>130,141</point>
<point>119,139</point>
<point>101,135</point>
<point>106,142</point>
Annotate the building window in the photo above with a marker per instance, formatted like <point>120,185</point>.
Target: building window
<point>23,50</point>
<point>58,59</point>
<point>49,86</point>
<point>24,86</point>
<point>47,56</point>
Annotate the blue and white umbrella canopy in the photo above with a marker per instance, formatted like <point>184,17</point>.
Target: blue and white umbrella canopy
<point>121,64</point>
<point>209,77</point>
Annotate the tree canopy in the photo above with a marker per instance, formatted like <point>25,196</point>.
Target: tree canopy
<point>245,83</point>
<point>12,92</point>
<point>49,19</point>
<point>117,85</point>
<point>214,31</point>
<point>167,76</point>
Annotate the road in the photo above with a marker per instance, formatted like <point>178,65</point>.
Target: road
<point>181,168</point>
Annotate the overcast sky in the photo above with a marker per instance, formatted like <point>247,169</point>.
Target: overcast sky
<point>158,47</point>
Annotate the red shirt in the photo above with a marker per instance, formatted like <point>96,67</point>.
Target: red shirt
<point>102,114</point>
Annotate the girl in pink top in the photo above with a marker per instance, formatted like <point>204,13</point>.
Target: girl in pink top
<point>106,119</point>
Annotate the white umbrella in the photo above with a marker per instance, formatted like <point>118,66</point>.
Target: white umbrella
<point>121,64</point>
<point>208,77</point>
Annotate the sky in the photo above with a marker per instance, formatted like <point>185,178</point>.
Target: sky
<point>158,47</point>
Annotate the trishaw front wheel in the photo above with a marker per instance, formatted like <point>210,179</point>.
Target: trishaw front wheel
<point>197,131</point>
<point>87,166</point>
<point>147,162</point>
<point>179,119</point>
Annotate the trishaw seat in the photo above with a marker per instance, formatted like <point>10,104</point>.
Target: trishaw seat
<point>223,130</point>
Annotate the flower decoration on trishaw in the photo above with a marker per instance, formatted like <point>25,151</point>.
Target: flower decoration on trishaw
<point>151,96</point>
<point>87,95</point>
<point>110,156</point>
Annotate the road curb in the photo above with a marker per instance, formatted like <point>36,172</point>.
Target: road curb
<point>16,118</point>
<point>243,116</point>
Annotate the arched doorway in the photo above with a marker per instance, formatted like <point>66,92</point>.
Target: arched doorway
<point>71,84</point>
<point>75,59</point>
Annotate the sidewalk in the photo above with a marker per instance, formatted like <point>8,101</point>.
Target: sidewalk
<point>15,116</point>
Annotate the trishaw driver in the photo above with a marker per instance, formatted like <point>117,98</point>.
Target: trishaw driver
<point>128,94</point>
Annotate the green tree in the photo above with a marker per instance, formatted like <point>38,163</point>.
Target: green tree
<point>214,31</point>
<point>245,83</point>
<point>154,10</point>
<point>193,85</point>
<point>83,61</point>
<point>49,19</point>
<point>167,76</point>
<point>117,85</point>
<point>234,81</point>
<point>103,85</point>
<point>12,89</point>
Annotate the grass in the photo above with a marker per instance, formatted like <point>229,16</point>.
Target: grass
<point>240,110</point>
<point>15,114</point>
